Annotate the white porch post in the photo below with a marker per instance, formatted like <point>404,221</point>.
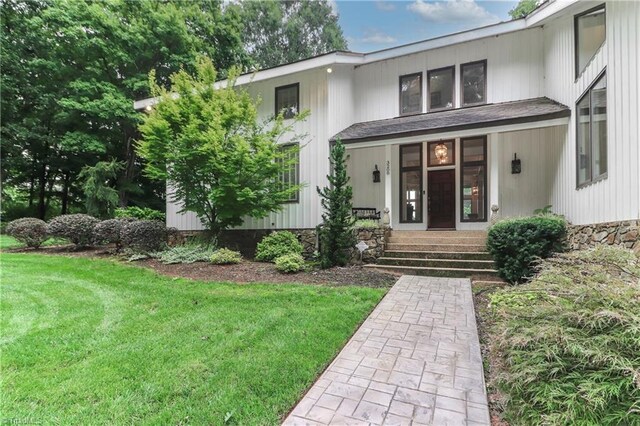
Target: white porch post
<point>494,174</point>
<point>388,183</point>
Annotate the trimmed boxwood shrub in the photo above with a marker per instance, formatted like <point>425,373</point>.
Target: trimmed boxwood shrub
<point>29,231</point>
<point>225,256</point>
<point>109,231</point>
<point>77,228</point>
<point>290,263</point>
<point>144,236</point>
<point>278,244</point>
<point>516,244</point>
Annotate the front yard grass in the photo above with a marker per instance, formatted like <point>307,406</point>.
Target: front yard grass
<point>95,342</point>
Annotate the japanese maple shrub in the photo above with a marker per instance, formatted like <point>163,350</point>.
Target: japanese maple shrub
<point>204,138</point>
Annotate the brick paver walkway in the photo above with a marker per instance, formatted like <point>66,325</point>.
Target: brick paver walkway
<point>415,360</point>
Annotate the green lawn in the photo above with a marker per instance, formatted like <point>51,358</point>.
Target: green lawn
<point>95,342</point>
<point>9,242</point>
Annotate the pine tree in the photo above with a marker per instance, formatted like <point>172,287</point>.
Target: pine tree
<point>336,233</point>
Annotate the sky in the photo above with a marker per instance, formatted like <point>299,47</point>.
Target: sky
<point>375,25</point>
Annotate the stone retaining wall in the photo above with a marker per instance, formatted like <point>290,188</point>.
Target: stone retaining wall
<point>245,241</point>
<point>626,234</point>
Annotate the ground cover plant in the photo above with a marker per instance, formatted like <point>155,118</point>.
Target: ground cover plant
<point>224,256</point>
<point>290,263</point>
<point>185,253</point>
<point>565,348</point>
<point>516,244</point>
<point>95,342</point>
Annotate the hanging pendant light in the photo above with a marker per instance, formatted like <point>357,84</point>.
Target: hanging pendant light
<point>441,152</point>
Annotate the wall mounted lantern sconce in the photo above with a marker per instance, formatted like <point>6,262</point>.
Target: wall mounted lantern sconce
<point>516,166</point>
<point>376,174</point>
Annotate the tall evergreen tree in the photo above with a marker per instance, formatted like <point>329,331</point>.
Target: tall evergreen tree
<point>336,232</point>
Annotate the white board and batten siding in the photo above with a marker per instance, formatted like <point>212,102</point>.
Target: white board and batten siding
<point>617,197</point>
<point>514,72</point>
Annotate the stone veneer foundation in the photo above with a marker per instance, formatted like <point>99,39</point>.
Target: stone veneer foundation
<point>245,241</point>
<point>625,234</point>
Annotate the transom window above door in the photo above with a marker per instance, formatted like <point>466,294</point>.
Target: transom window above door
<point>411,94</point>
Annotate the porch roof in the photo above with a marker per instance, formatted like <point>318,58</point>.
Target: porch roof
<point>477,117</point>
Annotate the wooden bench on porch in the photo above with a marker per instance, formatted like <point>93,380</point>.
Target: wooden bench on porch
<point>365,213</point>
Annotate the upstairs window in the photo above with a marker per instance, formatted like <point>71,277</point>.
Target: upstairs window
<point>411,94</point>
<point>590,33</point>
<point>288,100</point>
<point>441,88</point>
<point>474,83</point>
<point>591,133</point>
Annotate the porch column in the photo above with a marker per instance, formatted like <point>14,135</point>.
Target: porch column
<point>388,183</point>
<point>494,172</point>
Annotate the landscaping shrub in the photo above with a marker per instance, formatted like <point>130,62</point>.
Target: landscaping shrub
<point>142,213</point>
<point>290,263</point>
<point>77,228</point>
<point>366,224</point>
<point>109,231</point>
<point>144,236</point>
<point>516,244</point>
<point>187,253</point>
<point>567,345</point>
<point>29,231</point>
<point>278,244</point>
<point>225,256</point>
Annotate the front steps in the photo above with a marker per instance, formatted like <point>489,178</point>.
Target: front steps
<point>437,254</point>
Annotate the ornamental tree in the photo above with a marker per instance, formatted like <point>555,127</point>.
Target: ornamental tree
<point>220,162</point>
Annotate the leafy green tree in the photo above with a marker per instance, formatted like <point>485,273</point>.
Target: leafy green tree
<point>336,232</point>
<point>279,32</point>
<point>208,145</point>
<point>71,70</point>
<point>98,185</point>
<point>523,8</point>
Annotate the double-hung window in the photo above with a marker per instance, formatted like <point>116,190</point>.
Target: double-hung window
<point>473,79</point>
<point>440,83</point>
<point>291,175</point>
<point>411,94</point>
<point>591,132</point>
<point>288,100</point>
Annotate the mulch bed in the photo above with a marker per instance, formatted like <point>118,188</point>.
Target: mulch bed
<point>245,272</point>
<point>481,292</point>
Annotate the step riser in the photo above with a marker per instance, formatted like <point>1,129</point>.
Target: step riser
<point>438,240</point>
<point>437,263</point>
<point>461,273</point>
<point>436,247</point>
<point>449,234</point>
<point>437,255</point>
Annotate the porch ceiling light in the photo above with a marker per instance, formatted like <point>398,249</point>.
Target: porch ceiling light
<point>329,70</point>
<point>441,152</point>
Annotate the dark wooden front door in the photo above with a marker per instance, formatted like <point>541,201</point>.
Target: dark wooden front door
<point>441,195</point>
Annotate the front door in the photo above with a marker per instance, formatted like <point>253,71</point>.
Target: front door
<point>441,198</point>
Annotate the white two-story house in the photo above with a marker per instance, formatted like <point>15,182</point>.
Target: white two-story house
<point>499,120</point>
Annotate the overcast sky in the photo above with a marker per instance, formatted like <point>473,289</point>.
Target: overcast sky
<point>375,25</point>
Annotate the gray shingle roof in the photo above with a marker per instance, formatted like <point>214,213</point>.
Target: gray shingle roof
<point>526,111</point>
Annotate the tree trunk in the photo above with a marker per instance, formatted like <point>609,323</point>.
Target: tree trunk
<point>65,193</point>
<point>42,191</point>
<point>129,169</point>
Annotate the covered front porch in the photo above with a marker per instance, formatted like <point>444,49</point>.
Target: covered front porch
<point>455,169</point>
